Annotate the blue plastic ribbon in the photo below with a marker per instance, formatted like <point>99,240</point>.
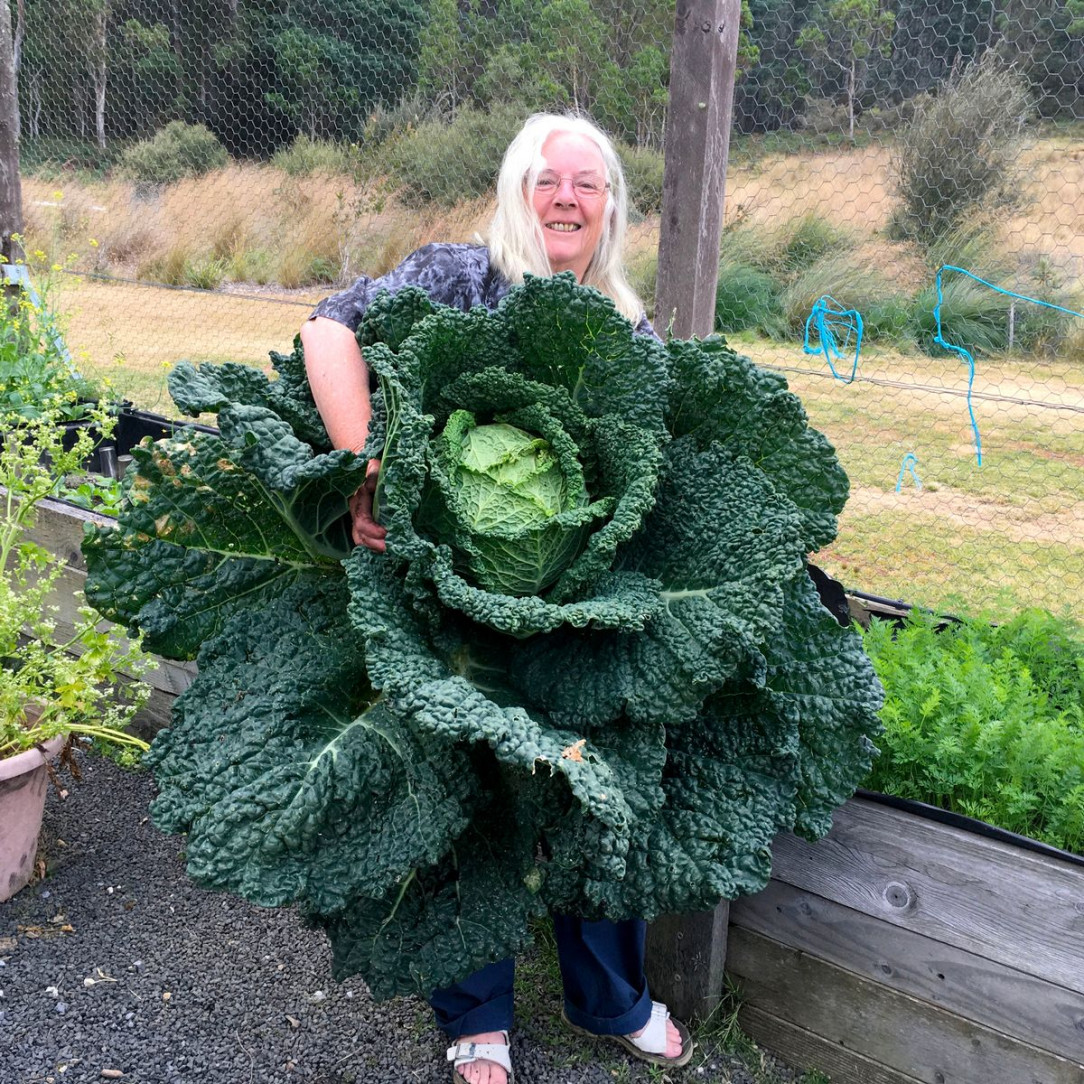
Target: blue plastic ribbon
<point>964,354</point>
<point>828,317</point>
<point>909,466</point>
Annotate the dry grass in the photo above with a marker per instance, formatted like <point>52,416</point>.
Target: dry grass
<point>847,187</point>
<point>852,189</point>
<point>249,209</point>
<point>133,335</point>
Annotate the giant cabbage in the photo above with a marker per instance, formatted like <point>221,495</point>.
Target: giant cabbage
<point>591,674</point>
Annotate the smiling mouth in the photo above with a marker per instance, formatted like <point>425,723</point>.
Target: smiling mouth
<point>563,227</point>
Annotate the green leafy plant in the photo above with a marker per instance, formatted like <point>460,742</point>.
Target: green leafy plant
<point>591,673</point>
<point>986,721</point>
<point>37,378</point>
<point>747,297</point>
<point>91,491</point>
<point>54,680</point>
<point>176,151</point>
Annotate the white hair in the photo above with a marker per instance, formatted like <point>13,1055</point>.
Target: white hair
<point>516,242</point>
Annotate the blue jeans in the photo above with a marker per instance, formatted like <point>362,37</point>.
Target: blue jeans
<point>602,970</point>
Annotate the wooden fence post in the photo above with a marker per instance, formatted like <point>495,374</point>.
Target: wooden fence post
<point>11,193</point>
<point>686,953</point>
<point>702,65</point>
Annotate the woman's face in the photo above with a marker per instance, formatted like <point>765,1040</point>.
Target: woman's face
<point>572,219</point>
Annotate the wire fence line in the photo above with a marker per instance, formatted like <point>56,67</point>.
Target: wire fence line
<point>905,385</point>
<point>99,277</point>
<point>228,147</point>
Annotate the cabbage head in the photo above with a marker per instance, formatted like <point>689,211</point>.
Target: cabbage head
<point>591,674</point>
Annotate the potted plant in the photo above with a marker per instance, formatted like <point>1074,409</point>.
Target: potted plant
<point>60,682</point>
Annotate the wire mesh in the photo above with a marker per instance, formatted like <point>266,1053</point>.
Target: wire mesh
<point>197,175</point>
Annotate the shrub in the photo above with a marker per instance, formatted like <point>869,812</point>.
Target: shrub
<point>851,283</point>
<point>178,150</point>
<point>803,241</point>
<point>972,316</point>
<point>986,721</point>
<point>960,151</point>
<point>445,163</point>
<point>306,156</point>
<point>643,176</point>
<point>389,122</point>
<point>746,298</point>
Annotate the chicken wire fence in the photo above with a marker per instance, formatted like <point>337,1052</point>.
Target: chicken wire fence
<point>902,231</point>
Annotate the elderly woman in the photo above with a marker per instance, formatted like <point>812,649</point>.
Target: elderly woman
<point>561,206</point>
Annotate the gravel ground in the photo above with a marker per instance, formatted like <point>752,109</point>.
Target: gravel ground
<point>117,967</point>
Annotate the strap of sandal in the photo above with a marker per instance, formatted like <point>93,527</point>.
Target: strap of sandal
<point>466,1053</point>
<point>652,1040</point>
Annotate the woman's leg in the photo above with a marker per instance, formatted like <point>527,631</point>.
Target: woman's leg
<point>477,1010</point>
<point>602,968</point>
<point>481,1002</point>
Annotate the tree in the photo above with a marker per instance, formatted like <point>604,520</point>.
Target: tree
<point>335,61</point>
<point>444,57</point>
<point>145,78</point>
<point>1037,37</point>
<point>844,34</point>
<point>97,60</point>
<point>773,92</point>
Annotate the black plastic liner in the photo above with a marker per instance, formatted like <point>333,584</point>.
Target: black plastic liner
<point>970,824</point>
<point>132,426</point>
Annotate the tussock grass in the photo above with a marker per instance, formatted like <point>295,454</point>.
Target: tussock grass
<point>853,284</point>
<point>169,267</point>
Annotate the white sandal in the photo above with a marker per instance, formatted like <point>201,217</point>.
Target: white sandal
<point>468,1053</point>
<point>650,1044</point>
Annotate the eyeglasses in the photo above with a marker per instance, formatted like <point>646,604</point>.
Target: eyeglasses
<point>585,185</point>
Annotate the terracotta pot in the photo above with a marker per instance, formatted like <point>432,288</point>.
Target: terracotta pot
<point>23,783</point>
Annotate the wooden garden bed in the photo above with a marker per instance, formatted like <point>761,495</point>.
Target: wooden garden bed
<point>59,529</point>
<point>899,950</point>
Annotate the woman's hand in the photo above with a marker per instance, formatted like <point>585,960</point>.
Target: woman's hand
<point>366,531</point>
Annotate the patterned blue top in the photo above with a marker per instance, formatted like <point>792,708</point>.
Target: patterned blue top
<point>451,274</point>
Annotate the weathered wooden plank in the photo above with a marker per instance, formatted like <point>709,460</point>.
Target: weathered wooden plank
<point>1022,909</point>
<point>803,1049</point>
<point>59,529</point>
<point>702,64</point>
<point>168,675</point>
<point>686,960</point>
<point>890,1028</point>
<point>1042,1013</point>
<point>686,956</point>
